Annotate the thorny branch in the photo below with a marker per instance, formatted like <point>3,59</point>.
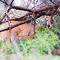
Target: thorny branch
<point>32,14</point>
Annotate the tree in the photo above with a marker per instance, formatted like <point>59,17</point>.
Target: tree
<point>45,7</point>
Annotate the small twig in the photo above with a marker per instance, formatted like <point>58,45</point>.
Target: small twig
<point>34,19</point>
<point>8,9</point>
<point>30,27</point>
<point>11,2</point>
<point>45,21</point>
<point>2,18</point>
<point>8,18</point>
<point>55,16</point>
<point>5,2</point>
<point>52,1</point>
<point>52,21</point>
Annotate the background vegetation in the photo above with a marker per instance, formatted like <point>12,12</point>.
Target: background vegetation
<point>45,47</point>
<point>45,43</point>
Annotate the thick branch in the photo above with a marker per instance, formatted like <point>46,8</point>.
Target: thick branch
<point>22,8</point>
<point>38,13</point>
<point>15,25</point>
<point>37,10</point>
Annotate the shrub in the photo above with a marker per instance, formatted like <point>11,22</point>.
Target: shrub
<point>46,41</point>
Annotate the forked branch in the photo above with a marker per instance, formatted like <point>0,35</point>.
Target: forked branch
<point>48,10</point>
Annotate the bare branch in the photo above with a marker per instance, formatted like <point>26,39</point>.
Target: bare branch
<point>52,1</point>
<point>8,18</point>
<point>15,25</point>
<point>11,2</point>
<point>37,13</point>
<point>30,27</point>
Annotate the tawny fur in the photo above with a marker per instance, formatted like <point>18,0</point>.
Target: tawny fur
<point>19,32</point>
<point>49,21</point>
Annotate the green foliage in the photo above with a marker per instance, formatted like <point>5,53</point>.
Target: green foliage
<point>58,19</point>
<point>0,44</point>
<point>9,48</point>
<point>56,30</point>
<point>46,41</point>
